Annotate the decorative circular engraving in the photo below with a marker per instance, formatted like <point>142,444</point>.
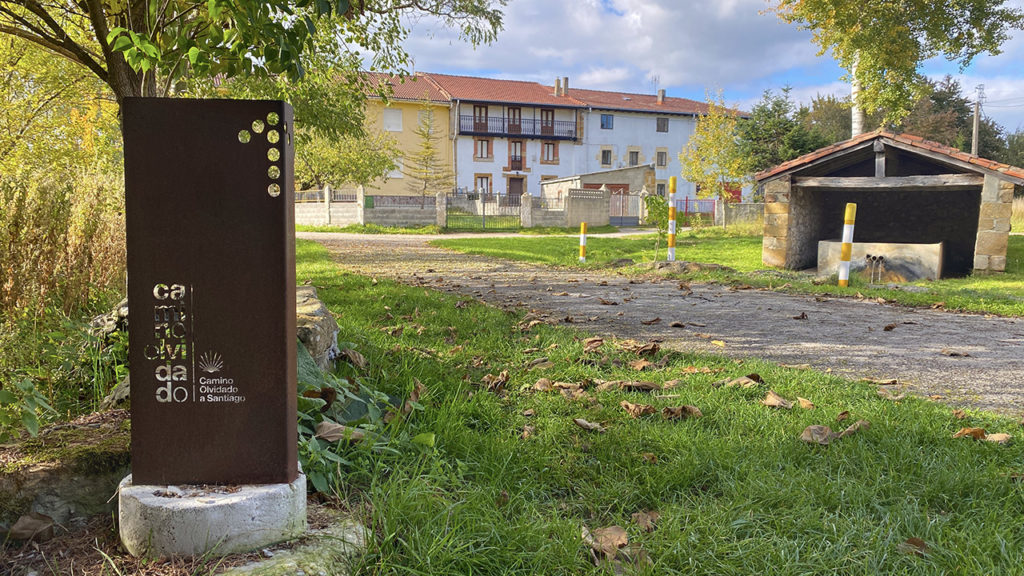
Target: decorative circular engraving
<point>273,154</point>
<point>274,190</point>
<point>273,119</point>
<point>274,172</point>
<point>244,136</point>
<point>273,136</point>
<point>257,126</point>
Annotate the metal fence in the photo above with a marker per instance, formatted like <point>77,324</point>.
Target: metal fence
<point>304,196</point>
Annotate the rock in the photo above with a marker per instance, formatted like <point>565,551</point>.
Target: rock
<point>316,327</point>
<point>118,395</point>
<point>621,262</point>
<point>32,526</point>
<point>106,324</point>
<point>689,267</point>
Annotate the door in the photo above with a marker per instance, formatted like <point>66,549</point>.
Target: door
<point>480,118</point>
<point>515,155</point>
<point>515,190</point>
<point>547,121</point>
<point>515,120</point>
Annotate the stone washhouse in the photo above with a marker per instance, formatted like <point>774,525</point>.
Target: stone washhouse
<point>924,210</point>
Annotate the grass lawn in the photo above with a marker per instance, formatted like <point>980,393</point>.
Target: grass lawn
<point>508,481</point>
<point>991,293</point>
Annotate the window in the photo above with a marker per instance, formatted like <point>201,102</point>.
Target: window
<point>515,120</point>
<point>549,152</point>
<point>483,184</point>
<point>480,118</point>
<point>634,157</point>
<point>661,189</point>
<point>483,149</point>
<point>662,158</point>
<point>606,157</point>
<point>392,120</point>
<point>547,121</point>
<point>397,172</point>
<point>662,124</point>
<point>607,121</point>
<point>515,155</point>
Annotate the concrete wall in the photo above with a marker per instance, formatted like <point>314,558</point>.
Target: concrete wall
<point>727,214</point>
<point>590,206</point>
<point>401,216</point>
<point>315,213</point>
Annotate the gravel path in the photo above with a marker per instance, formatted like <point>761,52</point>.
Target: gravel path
<point>969,360</point>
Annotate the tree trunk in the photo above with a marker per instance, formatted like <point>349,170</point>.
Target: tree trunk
<point>856,112</point>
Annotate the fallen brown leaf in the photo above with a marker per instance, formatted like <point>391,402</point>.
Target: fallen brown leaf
<point>543,385</point>
<point>801,316</point>
<point>646,519</point>
<point>609,540</point>
<point>718,343</point>
<point>637,410</point>
<point>527,431</point>
<point>529,413</point>
<point>954,353</point>
<point>32,526</point>
<point>773,400</point>
<point>591,344</point>
<point>853,428</point>
<point>959,414</point>
<point>641,364</point>
<point>822,435</point>
<point>497,383</point>
<point>649,457</point>
<point>890,327</point>
<point>537,361</point>
<point>890,396</point>
<point>678,324</point>
<point>914,546</point>
<point>648,349</point>
<point>354,358</point>
<point>333,432</point>
<point>805,403</point>
<point>999,438</point>
<point>591,426</point>
<point>976,433</point>
<point>680,412</point>
<point>842,415</point>
<point>938,305</point>
<point>604,302</point>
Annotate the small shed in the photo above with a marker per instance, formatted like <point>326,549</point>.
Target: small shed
<point>909,192</point>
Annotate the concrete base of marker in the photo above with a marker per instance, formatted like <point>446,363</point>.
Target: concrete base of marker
<point>167,521</point>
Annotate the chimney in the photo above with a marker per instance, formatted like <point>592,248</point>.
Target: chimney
<point>661,96</point>
<point>558,87</point>
<point>565,85</point>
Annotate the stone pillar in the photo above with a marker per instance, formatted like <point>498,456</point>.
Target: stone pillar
<point>526,211</point>
<point>441,209</point>
<point>993,225</point>
<point>776,221</point>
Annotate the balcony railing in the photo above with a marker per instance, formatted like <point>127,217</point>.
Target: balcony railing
<point>553,129</point>
<point>515,162</point>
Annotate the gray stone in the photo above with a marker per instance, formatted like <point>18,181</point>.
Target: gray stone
<point>904,262</point>
<point>316,327</point>
<point>118,395</point>
<point>167,521</point>
<point>327,551</point>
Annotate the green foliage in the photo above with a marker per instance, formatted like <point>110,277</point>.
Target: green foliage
<point>346,159</point>
<point>774,134</point>
<point>945,115</point>
<point>657,215</point>
<point>19,405</point>
<point>1014,154</point>
<point>883,43</point>
<point>426,171</point>
<point>713,157</point>
<point>146,48</point>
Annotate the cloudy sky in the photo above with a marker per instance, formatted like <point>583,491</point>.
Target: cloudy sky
<point>685,47</point>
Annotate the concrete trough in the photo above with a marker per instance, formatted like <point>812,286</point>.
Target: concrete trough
<point>900,262</point>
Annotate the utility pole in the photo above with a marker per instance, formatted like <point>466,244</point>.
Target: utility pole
<point>977,118</point>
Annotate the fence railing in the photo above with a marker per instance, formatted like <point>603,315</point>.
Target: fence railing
<point>525,127</point>
<point>303,196</point>
<point>695,206</point>
<point>400,201</point>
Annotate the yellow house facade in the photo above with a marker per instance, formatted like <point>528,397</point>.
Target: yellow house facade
<point>399,118</point>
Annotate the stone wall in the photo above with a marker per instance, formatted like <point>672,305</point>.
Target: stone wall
<point>776,222</point>
<point>729,213</point>
<point>590,206</point>
<point>993,225</point>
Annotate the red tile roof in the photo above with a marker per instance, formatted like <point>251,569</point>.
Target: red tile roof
<point>908,139</point>
<point>495,90</point>
<point>636,102</point>
<point>408,88</point>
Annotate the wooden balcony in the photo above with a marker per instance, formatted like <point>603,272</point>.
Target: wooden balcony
<point>515,163</point>
<point>525,127</point>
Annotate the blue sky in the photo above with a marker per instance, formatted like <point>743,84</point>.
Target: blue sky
<point>685,47</point>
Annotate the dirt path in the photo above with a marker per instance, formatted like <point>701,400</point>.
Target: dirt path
<point>847,336</point>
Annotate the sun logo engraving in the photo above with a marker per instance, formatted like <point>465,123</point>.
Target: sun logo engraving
<point>211,362</point>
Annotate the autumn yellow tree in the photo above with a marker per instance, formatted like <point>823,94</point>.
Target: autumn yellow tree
<point>713,158</point>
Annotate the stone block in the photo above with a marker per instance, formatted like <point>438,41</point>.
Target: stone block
<point>991,243</point>
<point>990,189</point>
<point>980,262</point>
<point>773,243</point>
<point>774,257</point>
<point>316,327</point>
<point>1006,192</point>
<point>995,210</point>
<point>1000,225</point>
<point>774,229</point>
<point>986,223</point>
<point>174,521</point>
<point>997,263</point>
<point>903,262</point>
<point>778,186</point>
<point>776,208</point>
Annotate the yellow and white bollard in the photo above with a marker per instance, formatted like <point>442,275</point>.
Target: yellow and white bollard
<point>672,219</point>
<point>583,242</point>
<point>847,247</point>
